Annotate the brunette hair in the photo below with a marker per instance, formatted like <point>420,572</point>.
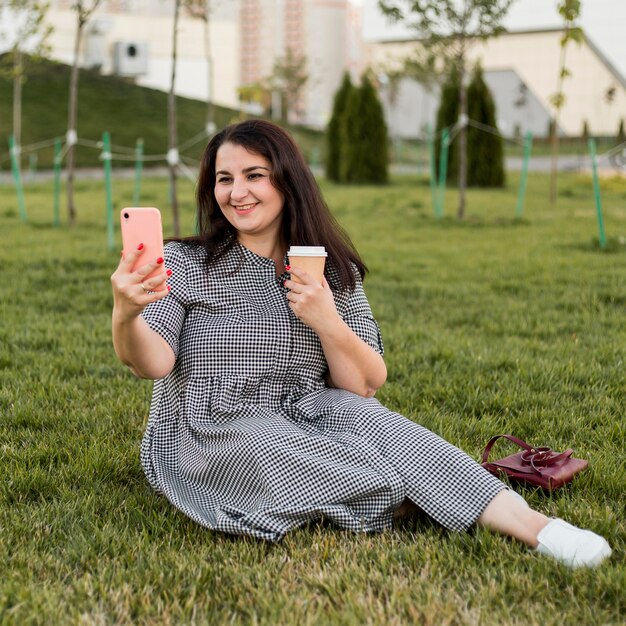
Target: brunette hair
<point>306,219</point>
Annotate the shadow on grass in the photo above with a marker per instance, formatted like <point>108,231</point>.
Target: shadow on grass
<point>479,221</point>
<point>613,245</point>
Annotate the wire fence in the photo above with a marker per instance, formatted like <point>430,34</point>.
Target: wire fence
<point>615,157</point>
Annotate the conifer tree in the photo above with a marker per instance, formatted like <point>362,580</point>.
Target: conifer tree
<point>621,136</point>
<point>333,130</point>
<point>349,134</point>
<point>485,150</point>
<point>447,116</point>
<point>365,151</point>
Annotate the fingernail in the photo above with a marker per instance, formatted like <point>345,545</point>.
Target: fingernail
<point>140,246</point>
<point>287,267</point>
<point>159,260</point>
<point>169,272</point>
<point>169,288</point>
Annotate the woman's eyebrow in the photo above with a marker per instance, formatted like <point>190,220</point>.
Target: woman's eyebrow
<point>246,170</point>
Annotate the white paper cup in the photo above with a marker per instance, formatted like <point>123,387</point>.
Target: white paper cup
<point>311,259</point>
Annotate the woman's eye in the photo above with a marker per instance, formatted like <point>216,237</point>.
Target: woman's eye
<point>223,179</point>
<point>255,175</point>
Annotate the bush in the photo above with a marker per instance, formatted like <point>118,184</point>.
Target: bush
<point>364,152</point>
<point>447,116</point>
<point>485,150</point>
<point>621,136</point>
<point>333,130</point>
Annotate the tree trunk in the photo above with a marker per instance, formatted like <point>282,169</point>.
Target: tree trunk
<point>210,125</point>
<point>18,75</point>
<point>172,155</point>
<point>554,132</point>
<point>71,123</point>
<point>460,213</point>
<point>554,160</point>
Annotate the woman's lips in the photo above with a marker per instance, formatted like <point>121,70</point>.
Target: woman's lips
<point>242,209</point>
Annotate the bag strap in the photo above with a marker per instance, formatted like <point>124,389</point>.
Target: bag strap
<point>546,458</point>
<point>536,457</point>
<point>519,442</point>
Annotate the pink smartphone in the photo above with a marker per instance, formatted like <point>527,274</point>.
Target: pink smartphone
<point>142,225</point>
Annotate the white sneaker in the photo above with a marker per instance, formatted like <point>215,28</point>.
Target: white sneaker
<point>574,547</point>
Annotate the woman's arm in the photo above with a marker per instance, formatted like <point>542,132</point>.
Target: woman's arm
<point>353,365</point>
<point>139,347</point>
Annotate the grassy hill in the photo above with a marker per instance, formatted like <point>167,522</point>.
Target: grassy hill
<point>107,103</point>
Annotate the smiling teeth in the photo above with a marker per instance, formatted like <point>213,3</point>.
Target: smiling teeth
<point>245,207</point>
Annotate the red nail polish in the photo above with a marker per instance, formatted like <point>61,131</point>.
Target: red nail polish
<point>287,267</point>
<point>159,260</point>
<point>169,288</point>
<point>140,246</point>
<point>169,272</point>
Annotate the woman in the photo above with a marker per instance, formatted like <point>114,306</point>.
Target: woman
<point>263,416</point>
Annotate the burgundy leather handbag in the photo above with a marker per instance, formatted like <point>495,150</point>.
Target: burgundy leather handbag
<point>538,466</point>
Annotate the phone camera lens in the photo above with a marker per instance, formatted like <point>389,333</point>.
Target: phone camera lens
<point>125,216</point>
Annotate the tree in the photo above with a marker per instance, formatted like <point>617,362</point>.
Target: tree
<point>485,163</point>
<point>287,80</point>
<point>569,10</point>
<point>333,130</point>
<point>29,35</point>
<point>584,135</point>
<point>447,117</point>
<point>201,9</point>
<point>365,156</point>
<point>172,133</point>
<point>83,13</point>
<point>449,27</point>
<point>256,93</point>
<point>621,136</point>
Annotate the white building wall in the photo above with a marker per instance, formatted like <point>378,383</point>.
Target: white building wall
<point>155,30</point>
<point>331,42</point>
<point>327,57</point>
<point>534,57</point>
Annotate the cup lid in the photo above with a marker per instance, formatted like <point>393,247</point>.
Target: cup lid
<point>307,251</point>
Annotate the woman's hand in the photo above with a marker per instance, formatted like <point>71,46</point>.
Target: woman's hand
<point>352,364</point>
<point>132,292</point>
<point>145,352</point>
<point>312,302</point>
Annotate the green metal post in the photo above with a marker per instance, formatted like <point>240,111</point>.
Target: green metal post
<point>138,169</point>
<point>433,168</point>
<point>15,166</point>
<point>106,157</point>
<point>443,170</point>
<point>596,192</point>
<point>528,142</point>
<point>58,145</point>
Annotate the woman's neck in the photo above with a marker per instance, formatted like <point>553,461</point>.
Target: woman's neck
<point>270,248</point>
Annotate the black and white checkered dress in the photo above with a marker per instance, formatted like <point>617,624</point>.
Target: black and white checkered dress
<point>244,436</point>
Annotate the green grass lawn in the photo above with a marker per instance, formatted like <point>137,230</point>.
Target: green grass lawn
<point>492,325</point>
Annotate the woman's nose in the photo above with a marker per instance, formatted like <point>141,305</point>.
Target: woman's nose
<point>239,190</point>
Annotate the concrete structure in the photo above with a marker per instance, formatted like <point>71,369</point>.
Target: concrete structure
<point>134,38</point>
<point>522,69</point>
<point>410,107</point>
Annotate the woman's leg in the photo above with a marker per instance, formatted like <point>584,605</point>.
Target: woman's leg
<point>572,546</point>
<point>508,515</point>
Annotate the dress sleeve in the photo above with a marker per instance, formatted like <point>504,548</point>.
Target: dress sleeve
<point>166,316</point>
<point>358,316</point>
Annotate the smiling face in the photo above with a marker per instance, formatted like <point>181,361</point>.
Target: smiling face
<point>246,195</point>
